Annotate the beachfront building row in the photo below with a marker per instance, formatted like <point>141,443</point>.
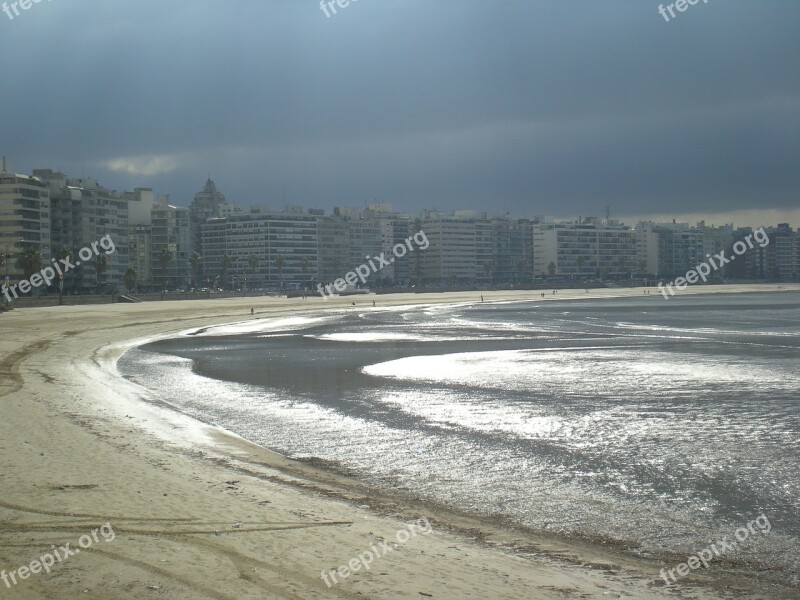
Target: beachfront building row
<point>298,249</point>
<point>673,249</point>
<point>472,248</point>
<point>215,243</point>
<point>777,261</point>
<point>142,227</point>
<point>82,211</point>
<point>53,216</point>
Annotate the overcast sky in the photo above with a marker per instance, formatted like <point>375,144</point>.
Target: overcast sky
<point>529,107</point>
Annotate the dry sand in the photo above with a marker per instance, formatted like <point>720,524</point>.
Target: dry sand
<point>222,518</point>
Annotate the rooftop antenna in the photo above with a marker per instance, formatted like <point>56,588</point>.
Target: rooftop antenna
<point>608,214</point>
<point>4,164</point>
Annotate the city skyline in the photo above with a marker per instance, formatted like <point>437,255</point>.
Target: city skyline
<point>746,218</point>
<point>48,215</point>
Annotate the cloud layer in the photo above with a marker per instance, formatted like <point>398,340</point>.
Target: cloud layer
<point>558,108</point>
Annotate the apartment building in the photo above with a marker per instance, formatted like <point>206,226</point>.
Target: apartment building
<point>461,248</point>
<point>140,234</point>
<point>782,253</point>
<point>776,261</point>
<point>262,249</point>
<point>672,249</point>
<point>82,212</point>
<point>333,256</point>
<point>680,248</point>
<point>24,220</point>
<point>393,229</point>
<point>647,261</point>
<point>585,249</point>
<point>512,250</point>
<point>171,245</point>
<point>207,204</point>
<point>140,253</point>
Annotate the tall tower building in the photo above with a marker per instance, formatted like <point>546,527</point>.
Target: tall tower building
<point>208,204</point>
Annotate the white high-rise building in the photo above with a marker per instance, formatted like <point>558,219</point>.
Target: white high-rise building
<point>460,250</point>
<point>24,220</point>
<point>585,249</point>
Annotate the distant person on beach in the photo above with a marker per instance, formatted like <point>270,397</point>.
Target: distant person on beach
<point>251,312</point>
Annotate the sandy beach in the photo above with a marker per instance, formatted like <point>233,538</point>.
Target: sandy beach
<point>200,513</point>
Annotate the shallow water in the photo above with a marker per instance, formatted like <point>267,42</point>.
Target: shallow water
<point>663,426</point>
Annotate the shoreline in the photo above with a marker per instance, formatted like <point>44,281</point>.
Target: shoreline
<point>147,477</point>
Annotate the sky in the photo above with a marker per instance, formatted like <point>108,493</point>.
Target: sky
<point>528,107</point>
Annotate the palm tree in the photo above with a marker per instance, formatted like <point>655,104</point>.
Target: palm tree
<point>304,263</point>
<point>164,258</point>
<point>551,269</point>
<point>100,264</point>
<point>130,278</point>
<point>30,261</point>
<point>196,261</point>
<point>226,264</point>
<point>252,262</point>
<point>487,269</point>
<point>62,254</point>
<point>280,261</point>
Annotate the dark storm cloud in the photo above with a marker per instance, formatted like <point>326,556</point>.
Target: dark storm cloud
<point>529,107</point>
